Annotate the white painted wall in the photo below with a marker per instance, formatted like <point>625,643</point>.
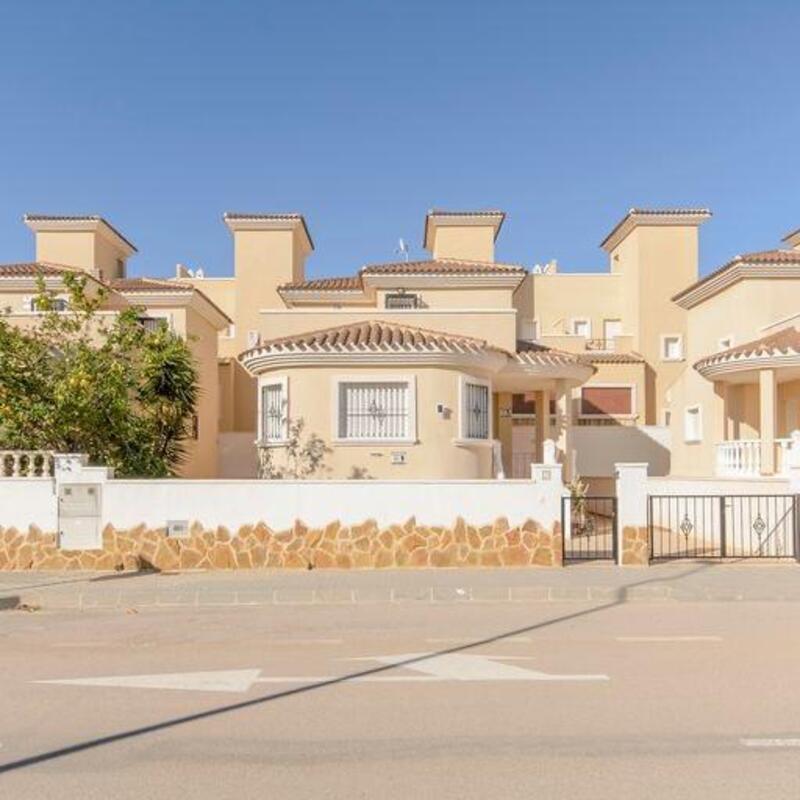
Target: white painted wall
<point>128,503</point>
<point>280,503</point>
<point>28,501</point>
<point>716,486</point>
<point>599,447</point>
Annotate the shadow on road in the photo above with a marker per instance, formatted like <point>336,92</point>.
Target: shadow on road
<point>91,744</point>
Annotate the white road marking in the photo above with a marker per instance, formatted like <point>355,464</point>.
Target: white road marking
<point>468,640</point>
<point>447,667</point>
<point>305,641</point>
<point>770,742</point>
<point>234,680</point>
<point>462,667</point>
<point>669,638</point>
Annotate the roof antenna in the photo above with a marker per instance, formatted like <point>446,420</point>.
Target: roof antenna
<point>402,248</point>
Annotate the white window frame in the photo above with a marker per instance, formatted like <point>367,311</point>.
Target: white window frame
<point>698,409</point>
<point>463,380</point>
<point>283,382</point>
<point>575,321</point>
<point>618,320</point>
<point>664,338</point>
<point>634,400</point>
<point>410,380</point>
<point>730,339</point>
<point>228,333</point>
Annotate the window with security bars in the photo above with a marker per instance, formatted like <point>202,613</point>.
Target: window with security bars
<point>402,300</point>
<point>374,411</point>
<point>273,412</point>
<point>476,411</point>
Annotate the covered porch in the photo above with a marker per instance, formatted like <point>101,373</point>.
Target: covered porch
<point>533,410</point>
<point>757,386</point>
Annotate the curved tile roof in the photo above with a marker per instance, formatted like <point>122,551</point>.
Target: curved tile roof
<point>373,336</point>
<point>598,357</point>
<point>782,343</point>
<point>533,353</point>
<point>124,285</point>
<point>33,269</point>
<point>734,268</point>
<point>346,284</point>
<point>442,266</point>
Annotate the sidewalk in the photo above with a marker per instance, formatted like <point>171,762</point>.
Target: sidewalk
<point>687,581</point>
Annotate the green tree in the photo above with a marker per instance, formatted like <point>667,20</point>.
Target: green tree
<point>79,380</point>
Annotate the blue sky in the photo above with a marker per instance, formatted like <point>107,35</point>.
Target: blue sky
<point>362,115</point>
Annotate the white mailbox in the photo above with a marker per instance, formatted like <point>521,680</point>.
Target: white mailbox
<point>79,516</point>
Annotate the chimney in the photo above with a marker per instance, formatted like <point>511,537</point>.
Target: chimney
<point>269,250</point>
<point>463,235</point>
<point>89,243</point>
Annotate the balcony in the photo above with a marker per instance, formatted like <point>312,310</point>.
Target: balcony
<point>741,458</point>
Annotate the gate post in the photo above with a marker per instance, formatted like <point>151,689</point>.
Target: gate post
<point>633,540</point>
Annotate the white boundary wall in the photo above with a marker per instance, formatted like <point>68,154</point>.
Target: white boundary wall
<point>280,503</point>
<point>233,503</point>
<point>715,486</point>
<point>26,501</point>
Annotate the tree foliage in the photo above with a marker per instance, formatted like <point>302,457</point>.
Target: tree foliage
<point>78,380</point>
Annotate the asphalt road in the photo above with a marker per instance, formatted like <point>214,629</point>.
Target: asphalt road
<point>489,700</point>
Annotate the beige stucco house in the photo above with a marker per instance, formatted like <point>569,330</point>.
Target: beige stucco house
<point>458,366</point>
<point>91,245</point>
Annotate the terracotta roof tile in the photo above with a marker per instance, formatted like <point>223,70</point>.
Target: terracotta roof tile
<point>375,336</point>
<point>533,353</point>
<point>442,266</point>
<point>783,343</point>
<point>350,283</point>
<point>32,269</point>
<point>124,285</point>
<point>607,357</point>
<point>765,257</point>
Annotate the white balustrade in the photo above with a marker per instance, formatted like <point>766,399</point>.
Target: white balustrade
<point>741,458</point>
<point>26,463</point>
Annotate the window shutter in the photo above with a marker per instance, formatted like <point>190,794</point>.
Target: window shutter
<point>606,400</point>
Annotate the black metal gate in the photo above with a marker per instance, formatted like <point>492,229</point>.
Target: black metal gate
<point>589,528</point>
<point>726,526</point>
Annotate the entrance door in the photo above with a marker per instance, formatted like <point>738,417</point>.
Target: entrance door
<point>523,450</point>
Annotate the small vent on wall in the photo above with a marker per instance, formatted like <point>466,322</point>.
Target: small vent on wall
<point>178,528</point>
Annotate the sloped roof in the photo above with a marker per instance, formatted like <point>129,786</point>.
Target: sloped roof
<point>33,269</point>
<point>34,218</point>
<point>429,267</point>
<point>776,345</point>
<point>663,215</point>
<point>533,353</point>
<point>347,284</point>
<point>608,357</point>
<point>442,266</point>
<point>736,268</point>
<point>125,285</point>
<point>374,336</point>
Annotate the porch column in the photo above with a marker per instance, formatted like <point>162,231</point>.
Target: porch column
<point>503,431</point>
<point>564,422</point>
<point>542,403</point>
<point>768,408</point>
